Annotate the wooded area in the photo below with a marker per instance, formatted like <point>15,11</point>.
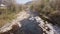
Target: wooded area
<point>48,8</point>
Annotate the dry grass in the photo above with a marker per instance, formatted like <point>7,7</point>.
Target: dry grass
<point>6,16</point>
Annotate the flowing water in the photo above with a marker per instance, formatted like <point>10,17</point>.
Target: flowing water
<point>47,27</point>
<point>31,23</point>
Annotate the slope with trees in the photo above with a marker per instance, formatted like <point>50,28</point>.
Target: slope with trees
<point>49,9</point>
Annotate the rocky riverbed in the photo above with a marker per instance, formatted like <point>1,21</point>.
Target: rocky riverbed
<point>28,22</point>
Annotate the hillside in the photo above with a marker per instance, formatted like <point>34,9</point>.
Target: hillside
<point>8,11</point>
<point>47,8</point>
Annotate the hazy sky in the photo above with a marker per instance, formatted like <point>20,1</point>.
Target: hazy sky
<point>22,1</point>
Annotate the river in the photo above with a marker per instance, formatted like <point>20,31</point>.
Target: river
<point>30,23</point>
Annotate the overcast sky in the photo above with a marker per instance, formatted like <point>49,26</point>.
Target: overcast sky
<point>22,1</point>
